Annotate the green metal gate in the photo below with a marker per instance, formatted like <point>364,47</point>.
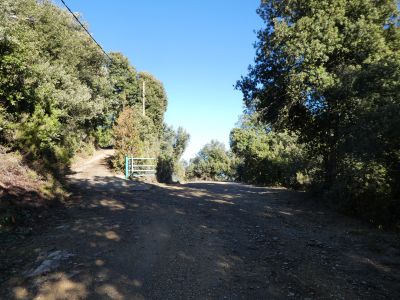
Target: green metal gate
<point>139,167</point>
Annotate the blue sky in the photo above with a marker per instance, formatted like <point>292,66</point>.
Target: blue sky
<point>198,49</point>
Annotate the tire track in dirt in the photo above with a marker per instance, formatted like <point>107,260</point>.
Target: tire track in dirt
<point>203,240</point>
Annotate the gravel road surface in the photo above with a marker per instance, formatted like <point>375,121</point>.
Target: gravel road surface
<point>197,241</point>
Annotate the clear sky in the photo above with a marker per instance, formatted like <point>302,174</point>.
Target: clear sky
<point>197,48</point>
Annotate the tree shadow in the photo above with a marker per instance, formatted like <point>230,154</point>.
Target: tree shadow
<point>199,240</point>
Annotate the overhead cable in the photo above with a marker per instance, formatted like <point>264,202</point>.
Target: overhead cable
<point>84,28</point>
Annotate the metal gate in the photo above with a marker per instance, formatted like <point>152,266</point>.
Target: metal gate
<point>139,167</point>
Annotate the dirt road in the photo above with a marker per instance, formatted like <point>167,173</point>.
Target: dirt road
<point>198,241</point>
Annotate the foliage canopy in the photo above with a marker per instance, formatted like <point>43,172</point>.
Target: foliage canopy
<point>330,72</point>
<point>59,92</point>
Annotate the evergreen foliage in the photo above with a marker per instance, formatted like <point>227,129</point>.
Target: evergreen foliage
<point>54,87</point>
<point>156,100</point>
<point>213,162</point>
<point>134,136</point>
<point>58,91</point>
<point>330,72</point>
<point>169,166</point>
<point>267,157</point>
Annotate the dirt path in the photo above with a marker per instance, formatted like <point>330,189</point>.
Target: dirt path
<point>199,241</point>
<point>93,166</point>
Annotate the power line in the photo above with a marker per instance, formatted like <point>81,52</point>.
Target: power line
<point>84,28</point>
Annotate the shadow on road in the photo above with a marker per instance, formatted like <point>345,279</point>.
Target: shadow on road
<point>201,240</point>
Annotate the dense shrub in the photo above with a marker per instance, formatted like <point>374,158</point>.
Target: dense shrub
<point>58,91</point>
<point>213,162</point>
<point>330,72</point>
<point>165,169</point>
<point>169,165</point>
<point>54,85</point>
<point>363,189</point>
<point>134,135</point>
<point>267,157</point>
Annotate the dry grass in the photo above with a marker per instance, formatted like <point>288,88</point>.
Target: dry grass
<point>14,174</point>
<point>24,194</point>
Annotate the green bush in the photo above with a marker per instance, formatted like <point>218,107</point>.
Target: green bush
<point>362,188</point>
<point>267,157</point>
<point>135,135</point>
<point>213,162</point>
<point>165,169</point>
<point>42,138</point>
<point>330,72</point>
<point>104,137</point>
<point>169,166</point>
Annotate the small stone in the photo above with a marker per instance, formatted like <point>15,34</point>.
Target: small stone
<point>51,263</point>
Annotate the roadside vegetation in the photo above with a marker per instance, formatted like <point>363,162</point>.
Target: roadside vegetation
<point>268,157</point>
<point>322,106</point>
<point>60,96</point>
<point>213,162</point>
<point>170,167</point>
<point>328,73</point>
<point>321,115</point>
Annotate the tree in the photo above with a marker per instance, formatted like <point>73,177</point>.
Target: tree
<point>59,92</point>
<point>212,162</point>
<point>156,99</point>
<point>53,84</point>
<point>169,165</point>
<point>137,134</point>
<point>265,156</point>
<point>315,73</point>
<point>124,80</point>
<point>134,136</point>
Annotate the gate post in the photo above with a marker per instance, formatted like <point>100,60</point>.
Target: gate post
<point>126,167</point>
